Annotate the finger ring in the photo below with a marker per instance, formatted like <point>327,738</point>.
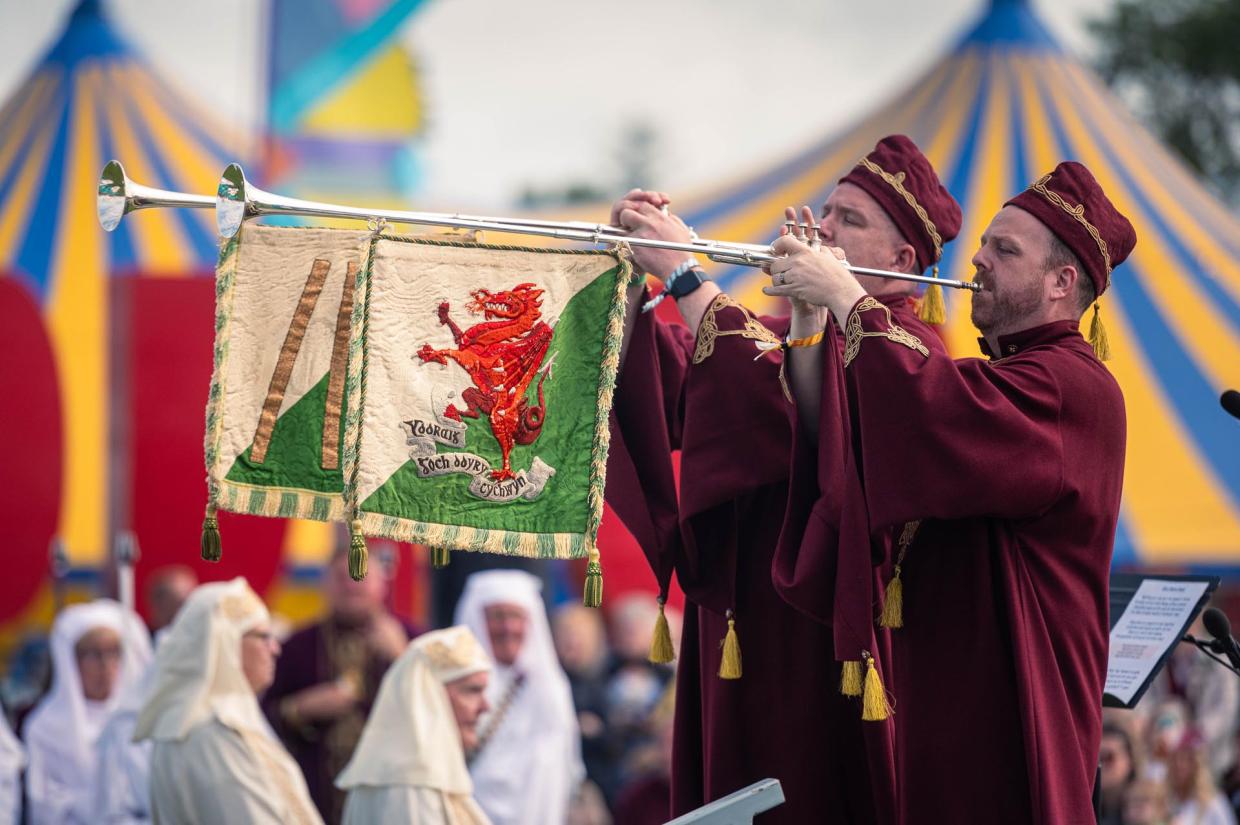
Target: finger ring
<point>782,279</point>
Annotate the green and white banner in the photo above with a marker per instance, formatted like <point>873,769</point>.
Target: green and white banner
<point>275,415</point>
<point>479,385</point>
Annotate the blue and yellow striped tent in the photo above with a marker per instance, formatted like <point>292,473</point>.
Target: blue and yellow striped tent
<point>1001,109</point>
<point>89,99</point>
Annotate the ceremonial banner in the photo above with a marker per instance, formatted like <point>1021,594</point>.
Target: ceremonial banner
<point>284,299</point>
<point>480,381</point>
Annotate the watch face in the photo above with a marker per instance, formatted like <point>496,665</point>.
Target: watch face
<point>686,283</point>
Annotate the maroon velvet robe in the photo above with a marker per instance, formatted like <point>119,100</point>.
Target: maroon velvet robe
<point>784,718</point>
<point>1014,467</point>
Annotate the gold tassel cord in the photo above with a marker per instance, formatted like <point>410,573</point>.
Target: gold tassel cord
<point>850,678</point>
<point>357,551</point>
<point>210,544</point>
<point>593,596</point>
<point>893,604</point>
<point>730,665</point>
<point>874,704</point>
<point>440,557</point>
<point>661,650</point>
<point>1098,338</point>
<point>931,307</point>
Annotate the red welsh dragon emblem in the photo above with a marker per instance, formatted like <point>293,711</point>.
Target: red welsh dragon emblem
<point>502,356</point>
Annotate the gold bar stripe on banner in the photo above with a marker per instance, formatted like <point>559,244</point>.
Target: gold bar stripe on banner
<point>288,357</point>
<point>335,381</point>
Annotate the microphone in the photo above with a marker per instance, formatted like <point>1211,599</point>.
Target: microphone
<point>1219,627</point>
<point>1231,402</point>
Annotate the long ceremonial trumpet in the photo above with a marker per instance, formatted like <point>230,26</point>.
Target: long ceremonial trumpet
<point>237,200</point>
<point>118,196</point>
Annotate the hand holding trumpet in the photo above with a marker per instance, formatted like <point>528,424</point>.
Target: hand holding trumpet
<point>808,273</point>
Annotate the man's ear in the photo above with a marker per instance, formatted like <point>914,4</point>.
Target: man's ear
<point>905,259</point>
<point>1063,285</point>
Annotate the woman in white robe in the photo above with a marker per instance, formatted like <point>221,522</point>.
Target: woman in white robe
<point>527,765</point>
<point>12,761</point>
<point>110,643</point>
<point>409,766</point>
<point>215,760</point>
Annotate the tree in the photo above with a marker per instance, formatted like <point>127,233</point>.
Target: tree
<point>1177,63</point>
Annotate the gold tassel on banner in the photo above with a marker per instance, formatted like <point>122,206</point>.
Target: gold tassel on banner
<point>210,544</point>
<point>1098,337</point>
<point>357,551</point>
<point>893,604</point>
<point>593,596</point>
<point>850,678</point>
<point>730,666</point>
<point>874,705</point>
<point>440,557</point>
<point>661,649</point>
<point>931,308</point>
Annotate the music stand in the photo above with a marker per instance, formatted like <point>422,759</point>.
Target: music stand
<point>1124,587</point>
<point>738,808</point>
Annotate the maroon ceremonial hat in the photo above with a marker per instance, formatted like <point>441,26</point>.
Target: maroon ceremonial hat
<point>1073,206</point>
<point>898,176</point>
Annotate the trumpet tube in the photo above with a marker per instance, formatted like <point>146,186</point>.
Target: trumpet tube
<point>237,200</point>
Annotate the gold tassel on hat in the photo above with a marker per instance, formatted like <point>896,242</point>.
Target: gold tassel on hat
<point>357,551</point>
<point>593,596</point>
<point>440,557</point>
<point>874,705</point>
<point>730,666</point>
<point>931,308</point>
<point>661,649</point>
<point>893,604</point>
<point>850,678</point>
<point>1098,337</point>
<point>210,544</point>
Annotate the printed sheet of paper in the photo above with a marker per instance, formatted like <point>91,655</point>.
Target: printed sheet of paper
<point>1150,625</point>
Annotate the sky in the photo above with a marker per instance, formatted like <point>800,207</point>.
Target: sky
<point>538,93</point>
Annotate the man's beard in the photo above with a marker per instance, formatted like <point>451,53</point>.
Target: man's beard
<point>1008,306</point>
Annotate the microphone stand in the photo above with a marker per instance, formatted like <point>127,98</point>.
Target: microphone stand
<point>1208,649</point>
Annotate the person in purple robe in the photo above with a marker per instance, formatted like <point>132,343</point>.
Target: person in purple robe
<point>328,677</point>
<point>700,388</point>
<point>1002,477</point>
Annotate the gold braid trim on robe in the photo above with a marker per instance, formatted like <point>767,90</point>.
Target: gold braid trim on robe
<point>854,333</point>
<point>754,330</point>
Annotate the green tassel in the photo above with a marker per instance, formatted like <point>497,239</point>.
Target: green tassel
<point>593,596</point>
<point>210,544</point>
<point>850,678</point>
<point>931,309</point>
<point>1098,338</point>
<point>440,557</point>
<point>661,649</point>
<point>357,551</point>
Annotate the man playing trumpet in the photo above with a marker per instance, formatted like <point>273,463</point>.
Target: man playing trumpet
<point>698,388</point>
<point>1004,476</point>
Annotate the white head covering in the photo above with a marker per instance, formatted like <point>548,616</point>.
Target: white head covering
<point>411,737</point>
<point>62,722</point>
<point>531,763</point>
<point>198,673</point>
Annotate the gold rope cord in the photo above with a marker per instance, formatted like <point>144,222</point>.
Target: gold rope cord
<point>854,333</point>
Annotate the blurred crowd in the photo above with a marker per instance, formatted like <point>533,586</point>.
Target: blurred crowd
<point>571,695</point>
<point>1173,759</point>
